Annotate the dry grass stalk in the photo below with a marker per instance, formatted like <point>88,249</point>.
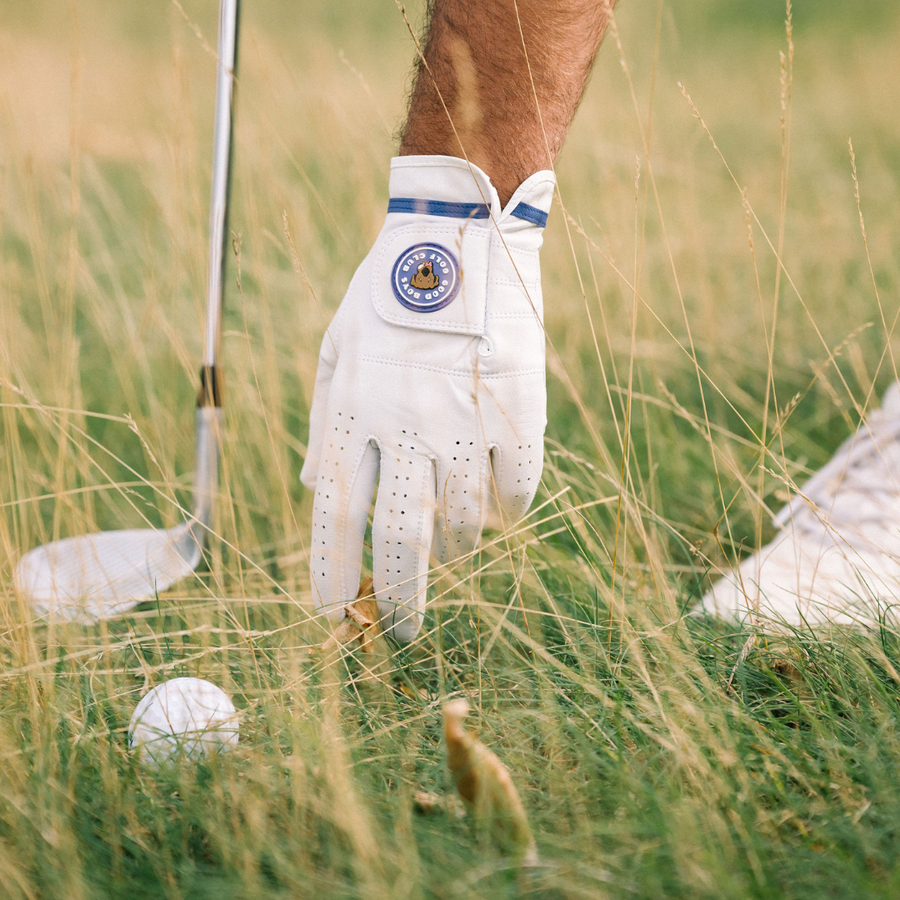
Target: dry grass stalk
<point>486,786</point>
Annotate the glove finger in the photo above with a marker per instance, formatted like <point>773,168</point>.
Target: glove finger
<point>318,412</point>
<point>515,475</point>
<point>344,491</point>
<point>463,494</point>
<point>401,538</point>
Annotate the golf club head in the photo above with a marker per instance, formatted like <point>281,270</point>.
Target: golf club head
<point>96,576</point>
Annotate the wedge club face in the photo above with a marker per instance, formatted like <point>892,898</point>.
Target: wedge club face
<point>96,576</point>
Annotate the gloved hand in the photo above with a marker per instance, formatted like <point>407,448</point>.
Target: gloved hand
<point>430,382</point>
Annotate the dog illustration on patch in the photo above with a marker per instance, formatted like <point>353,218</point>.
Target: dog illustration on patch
<point>425,278</point>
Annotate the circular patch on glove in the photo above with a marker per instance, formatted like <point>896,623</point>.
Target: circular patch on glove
<point>425,277</point>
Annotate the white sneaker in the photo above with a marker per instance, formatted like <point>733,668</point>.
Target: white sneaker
<point>837,556</point>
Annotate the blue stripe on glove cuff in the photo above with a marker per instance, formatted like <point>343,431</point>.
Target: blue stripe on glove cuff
<point>438,208</point>
<point>530,214</point>
<point>462,210</point>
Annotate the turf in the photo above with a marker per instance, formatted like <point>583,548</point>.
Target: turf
<point>693,381</point>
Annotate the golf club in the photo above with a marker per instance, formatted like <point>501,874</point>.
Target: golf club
<point>95,576</point>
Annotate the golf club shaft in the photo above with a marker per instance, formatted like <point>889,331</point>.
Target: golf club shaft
<point>218,212</point>
<point>209,401</point>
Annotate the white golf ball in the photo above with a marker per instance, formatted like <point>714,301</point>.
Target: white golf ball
<point>183,717</point>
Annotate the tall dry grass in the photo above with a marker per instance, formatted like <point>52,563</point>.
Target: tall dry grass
<point>690,374</point>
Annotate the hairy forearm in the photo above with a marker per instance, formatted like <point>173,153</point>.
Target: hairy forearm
<point>501,81</point>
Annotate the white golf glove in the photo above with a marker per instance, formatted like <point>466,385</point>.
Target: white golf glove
<point>431,383</point>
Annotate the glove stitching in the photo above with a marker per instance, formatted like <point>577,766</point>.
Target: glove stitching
<point>468,373</point>
<point>529,314</point>
<point>532,284</point>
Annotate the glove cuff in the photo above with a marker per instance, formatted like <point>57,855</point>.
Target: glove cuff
<point>446,237</point>
<point>442,180</point>
<point>450,187</point>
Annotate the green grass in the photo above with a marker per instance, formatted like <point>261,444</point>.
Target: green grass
<point>657,755</point>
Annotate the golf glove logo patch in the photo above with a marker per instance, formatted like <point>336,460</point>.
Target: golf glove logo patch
<point>425,278</point>
<point>430,385</point>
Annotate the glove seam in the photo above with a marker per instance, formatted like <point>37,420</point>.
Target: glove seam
<point>516,282</point>
<point>468,373</point>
